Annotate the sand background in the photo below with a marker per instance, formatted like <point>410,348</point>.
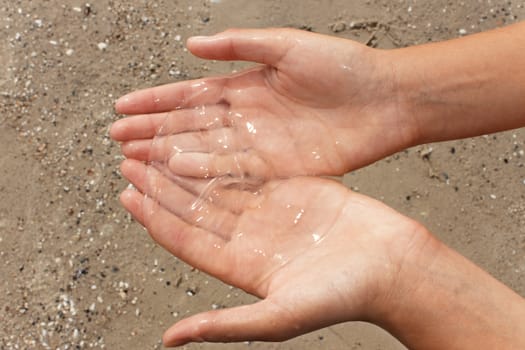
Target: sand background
<point>76,272</point>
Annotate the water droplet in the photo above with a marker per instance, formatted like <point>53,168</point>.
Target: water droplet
<point>260,252</point>
<point>298,216</point>
<point>316,155</point>
<point>251,128</point>
<point>280,258</point>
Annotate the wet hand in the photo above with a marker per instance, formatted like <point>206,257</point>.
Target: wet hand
<point>314,252</point>
<point>317,106</point>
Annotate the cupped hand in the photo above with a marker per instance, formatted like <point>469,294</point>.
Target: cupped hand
<point>317,105</point>
<point>314,252</point>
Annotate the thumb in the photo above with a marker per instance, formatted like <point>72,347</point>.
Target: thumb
<point>262,321</point>
<point>267,46</point>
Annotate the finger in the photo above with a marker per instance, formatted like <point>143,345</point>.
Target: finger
<point>260,321</point>
<point>194,210</point>
<point>132,202</point>
<point>168,97</point>
<point>233,194</point>
<point>164,147</point>
<point>140,150</point>
<point>193,245</point>
<point>267,46</point>
<point>247,164</point>
<point>150,125</point>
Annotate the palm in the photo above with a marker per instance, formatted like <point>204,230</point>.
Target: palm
<point>310,113</point>
<point>275,240</point>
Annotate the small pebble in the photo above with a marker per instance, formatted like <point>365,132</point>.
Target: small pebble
<point>338,27</point>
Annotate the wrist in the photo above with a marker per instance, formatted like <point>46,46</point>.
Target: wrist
<point>460,88</point>
<point>413,254</point>
<point>428,92</point>
<point>406,250</point>
<point>407,91</point>
<point>402,96</point>
<point>441,300</point>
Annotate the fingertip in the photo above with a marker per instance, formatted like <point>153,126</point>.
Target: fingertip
<point>174,336</point>
<point>197,39</point>
<point>132,201</point>
<point>127,196</point>
<point>126,148</point>
<point>124,166</point>
<point>135,102</point>
<point>170,342</point>
<point>138,150</point>
<point>202,46</point>
<point>115,131</point>
<point>129,167</point>
<point>122,103</point>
